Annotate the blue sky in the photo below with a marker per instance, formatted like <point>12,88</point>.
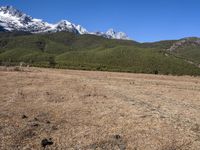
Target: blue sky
<point>142,20</point>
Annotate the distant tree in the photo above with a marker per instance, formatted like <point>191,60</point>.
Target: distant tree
<point>8,62</point>
<point>52,62</point>
<point>41,45</point>
<point>156,71</point>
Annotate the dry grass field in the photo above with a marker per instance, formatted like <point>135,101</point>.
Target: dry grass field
<point>82,110</point>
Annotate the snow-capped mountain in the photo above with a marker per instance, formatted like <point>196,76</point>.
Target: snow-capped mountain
<point>12,19</point>
<point>65,25</point>
<point>117,35</point>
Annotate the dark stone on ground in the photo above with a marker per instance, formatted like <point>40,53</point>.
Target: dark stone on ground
<point>48,122</point>
<point>24,117</point>
<point>117,137</point>
<point>36,119</point>
<point>35,125</point>
<point>46,142</point>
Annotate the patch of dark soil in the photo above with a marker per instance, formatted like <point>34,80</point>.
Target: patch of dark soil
<point>26,134</point>
<point>115,143</point>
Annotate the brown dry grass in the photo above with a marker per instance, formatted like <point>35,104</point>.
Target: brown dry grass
<point>83,110</point>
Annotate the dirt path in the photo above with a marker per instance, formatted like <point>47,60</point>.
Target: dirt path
<point>83,110</point>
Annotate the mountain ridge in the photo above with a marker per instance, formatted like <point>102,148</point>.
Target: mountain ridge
<point>12,19</point>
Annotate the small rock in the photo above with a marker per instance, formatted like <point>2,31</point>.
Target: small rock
<point>35,125</point>
<point>48,122</point>
<point>24,117</point>
<point>45,142</point>
<point>117,136</point>
<point>54,127</point>
<point>36,119</point>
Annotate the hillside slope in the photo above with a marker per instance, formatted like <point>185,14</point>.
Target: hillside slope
<point>68,50</point>
<point>188,48</point>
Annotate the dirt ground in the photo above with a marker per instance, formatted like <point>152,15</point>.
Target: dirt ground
<point>82,110</point>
